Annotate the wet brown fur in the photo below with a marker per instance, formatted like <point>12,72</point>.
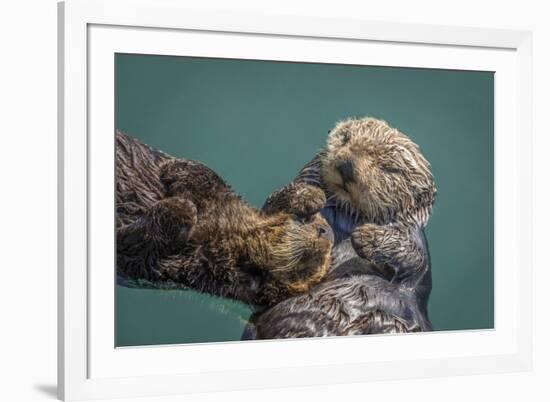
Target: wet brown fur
<point>392,179</point>
<point>393,191</point>
<point>378,207</point>
<point>179,222</point>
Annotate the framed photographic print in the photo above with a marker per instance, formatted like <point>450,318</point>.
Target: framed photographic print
<point>255,201</point>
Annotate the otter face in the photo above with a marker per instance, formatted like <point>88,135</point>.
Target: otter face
<point>377,172</point>
<point>301,257</point>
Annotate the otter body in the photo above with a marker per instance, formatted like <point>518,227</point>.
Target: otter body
<point>359,304</point>
<point>379,193</point>
<point>179,223</point>
<point>356,298</point>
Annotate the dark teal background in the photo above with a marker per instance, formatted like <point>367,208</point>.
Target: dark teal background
<point>258,122</point>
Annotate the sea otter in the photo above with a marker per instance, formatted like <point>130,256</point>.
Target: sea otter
<point>380,192</point>
<point>179,223</point>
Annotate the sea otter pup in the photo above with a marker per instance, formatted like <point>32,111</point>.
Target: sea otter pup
<point>179,223</point>
<point>380,192</point>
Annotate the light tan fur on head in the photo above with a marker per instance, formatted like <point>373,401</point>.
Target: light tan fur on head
<point>378,172</point>
<point>299,255</point>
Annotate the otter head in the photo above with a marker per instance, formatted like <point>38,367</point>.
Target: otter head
<point>377,172</point>
<point>299,253</point>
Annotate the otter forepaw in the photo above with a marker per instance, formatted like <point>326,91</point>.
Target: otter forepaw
<point>307,200</point>
<point>300,199</point>
<point>172,220</point>
<point>370,241</point>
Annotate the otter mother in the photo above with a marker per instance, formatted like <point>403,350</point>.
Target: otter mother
<point>380,192</point>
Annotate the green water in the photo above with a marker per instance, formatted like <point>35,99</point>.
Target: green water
<point>152,317</point>
<point>257,123</point>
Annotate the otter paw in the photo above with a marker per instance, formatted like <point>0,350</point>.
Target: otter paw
<point>306,200</point>
<point>172,220</point>
<point>368,241</point>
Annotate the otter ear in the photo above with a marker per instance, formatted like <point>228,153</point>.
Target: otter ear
<point>424,199</point>
<point>409,157</point>
<point>401,152</point>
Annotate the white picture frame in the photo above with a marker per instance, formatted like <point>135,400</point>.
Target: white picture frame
<point>90,367</point>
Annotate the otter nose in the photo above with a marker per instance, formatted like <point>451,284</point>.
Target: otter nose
<point>346,171</point>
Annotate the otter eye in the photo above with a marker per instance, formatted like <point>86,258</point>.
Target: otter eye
<point>345,138</point>
<point>305,219</point>
<point>390,168</point>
